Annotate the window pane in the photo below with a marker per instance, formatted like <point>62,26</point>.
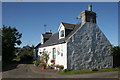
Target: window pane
<point>62,33</point>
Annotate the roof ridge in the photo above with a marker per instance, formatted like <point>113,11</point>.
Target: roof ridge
<point>68,23</point>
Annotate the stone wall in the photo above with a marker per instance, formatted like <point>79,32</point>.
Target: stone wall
<point>88,48</point>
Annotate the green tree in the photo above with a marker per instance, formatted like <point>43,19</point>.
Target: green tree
<point>10,38</point>
<point>26,53</point>
<point>115,51</point>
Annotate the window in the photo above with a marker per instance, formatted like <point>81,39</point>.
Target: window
<point>62,33</point>
<point>54,51</point>
<point>61,54</point>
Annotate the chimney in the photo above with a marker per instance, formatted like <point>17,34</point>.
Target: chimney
<point>50,31</point>
<point>88,15</point>
<point>89,7</point>
<point>45,37</point>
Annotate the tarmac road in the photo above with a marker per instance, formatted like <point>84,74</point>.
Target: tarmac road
<point>30,71</point>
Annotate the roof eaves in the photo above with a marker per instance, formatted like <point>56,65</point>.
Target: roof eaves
<point>53,44</point>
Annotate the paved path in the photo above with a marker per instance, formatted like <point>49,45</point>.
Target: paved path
<point>0,75</point>
<point>29,71</point>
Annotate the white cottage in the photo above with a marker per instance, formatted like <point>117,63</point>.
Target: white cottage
<point>78,46</point>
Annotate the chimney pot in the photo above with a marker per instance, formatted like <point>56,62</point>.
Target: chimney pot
<point>89,7</point>
<point>50,31</point>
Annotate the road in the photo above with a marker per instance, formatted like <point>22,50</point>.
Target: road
<point>30,71</point>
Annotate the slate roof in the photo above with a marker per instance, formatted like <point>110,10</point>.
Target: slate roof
<point>54,39</point>
<point>67,25</point>
<point>36,47</point>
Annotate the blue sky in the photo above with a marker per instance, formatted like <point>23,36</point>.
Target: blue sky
<point>29,17</point>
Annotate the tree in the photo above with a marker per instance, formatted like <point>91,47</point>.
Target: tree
<point>10,38</point>
<point>26,53</point>
<point>115,51</point>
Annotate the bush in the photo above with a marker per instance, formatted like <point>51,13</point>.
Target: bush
<point>42,64</point>
<point>65,70</point>
<point>94,69</point>
<point>36,62</point>
<point>115,51</point>
<point>59,66</point>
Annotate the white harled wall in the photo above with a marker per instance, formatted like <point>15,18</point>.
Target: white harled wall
<point>61,53</point>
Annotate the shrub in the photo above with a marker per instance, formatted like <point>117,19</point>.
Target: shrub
<point>94,69</point>
<point>42,64</point>
<point>36,62</point>
<point>115,51</point>
<point>65,70</point>
<point>61,67</point>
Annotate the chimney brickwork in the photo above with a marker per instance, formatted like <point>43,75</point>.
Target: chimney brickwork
<point>88,15</point>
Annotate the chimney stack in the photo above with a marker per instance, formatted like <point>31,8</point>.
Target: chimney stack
<point>45,36</point>
<point>88,15</point>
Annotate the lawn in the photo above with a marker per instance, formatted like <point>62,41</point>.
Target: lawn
<point>90,71</point>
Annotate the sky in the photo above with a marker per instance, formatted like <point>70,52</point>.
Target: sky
<point>119,24</point>
<point>0,14</point>
<point>30,17</point>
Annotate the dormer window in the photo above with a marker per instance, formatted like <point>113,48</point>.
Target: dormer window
<point>64,29</point>
<point>62,33</point>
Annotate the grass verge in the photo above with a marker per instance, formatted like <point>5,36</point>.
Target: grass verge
<point>90,71</point>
